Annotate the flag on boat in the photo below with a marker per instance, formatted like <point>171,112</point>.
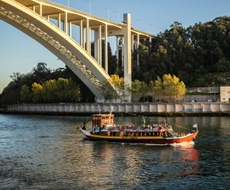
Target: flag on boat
<point>195,126</point>
<point>144,121</point>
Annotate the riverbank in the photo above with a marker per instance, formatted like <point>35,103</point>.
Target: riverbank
<point>122,114</point>
<point>135,109</point>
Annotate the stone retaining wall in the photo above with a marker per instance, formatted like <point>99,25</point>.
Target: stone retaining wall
<point>128,107</point>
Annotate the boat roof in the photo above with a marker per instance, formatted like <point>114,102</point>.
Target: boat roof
<point>101,115</point>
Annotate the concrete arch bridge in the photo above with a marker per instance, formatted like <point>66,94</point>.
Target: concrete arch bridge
<point>33,18</point>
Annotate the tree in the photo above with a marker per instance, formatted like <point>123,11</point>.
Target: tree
<point>41,73</point>
<point>62,88</point>
<point>170,88</point>
<point>10,94</point>
<point>37,92</point>
<point>107,92</point>
<point>53,91</point>
<point>49,90</point>
<point>25,94</point>
<point>174,89</point>
<point>68,90</point>
<point>157,88</point>
<point>140,89</point>
<point>121,88</point>
<point>73,91</point>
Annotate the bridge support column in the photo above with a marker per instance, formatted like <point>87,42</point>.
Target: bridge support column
<point>59,20</point>
<point>132,43</point>
<point>88,43</point>
<point>100,45</point>
<point>81,34</point>
<point>65,22</point>
<point>117,50</point>
<point>83,38</point>
<point>96,46</point>
<point>40,9</point>
<point>122,54</point>
<point>137,48</point>
<point>150,43</point>
<point>127,52</point>
<point>48,17</point>
<point>106,48</point>
<point>70,29</point>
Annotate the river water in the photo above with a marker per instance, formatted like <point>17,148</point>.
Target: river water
<point>47,152</point>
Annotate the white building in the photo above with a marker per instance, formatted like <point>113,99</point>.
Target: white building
<point>225,93</point>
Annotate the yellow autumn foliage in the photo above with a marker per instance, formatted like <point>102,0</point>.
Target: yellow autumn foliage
<point>169,88</point>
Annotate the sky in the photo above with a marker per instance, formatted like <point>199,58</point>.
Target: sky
<point>20,53</point>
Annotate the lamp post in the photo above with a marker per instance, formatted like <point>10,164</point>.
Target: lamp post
<point>89,7</point>
<point>118,16</point>
<point>107,12</point>
<point>140,22</point>
<point>151,26</point>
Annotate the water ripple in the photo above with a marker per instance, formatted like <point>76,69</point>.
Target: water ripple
<point>42,153</point>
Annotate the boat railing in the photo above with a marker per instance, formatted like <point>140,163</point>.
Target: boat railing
<point>175,134</point>
<point>132,130</point>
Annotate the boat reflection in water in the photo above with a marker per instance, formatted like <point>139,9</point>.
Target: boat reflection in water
<point>187,156</point>
<point>137,162</point>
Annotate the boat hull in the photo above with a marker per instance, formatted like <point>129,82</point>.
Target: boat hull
<point>147,140</point>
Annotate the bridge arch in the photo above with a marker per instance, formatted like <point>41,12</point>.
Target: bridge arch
<point>32,18</point>
<point>57,42</point>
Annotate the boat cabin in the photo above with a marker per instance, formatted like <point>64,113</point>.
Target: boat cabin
<point>102,119</point>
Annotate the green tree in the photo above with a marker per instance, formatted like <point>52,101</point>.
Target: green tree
<point>73,91</point>
<point>68,90</point>
<point>41,73</point>
<point>62,88</point>
<point>10,94</point>
<point>53,91</point>
<point>140,89</point>
<point>49,91</point>
<point>157,88</point>
<point>0,99</point>
<point>25,94</point>
<point>122,89</point>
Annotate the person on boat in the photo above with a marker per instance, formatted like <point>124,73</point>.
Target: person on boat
<point>170,130</point>
<point>142,126</point>
<point>148,127</point>
<point>134,127</point>
<point>160,128</point>
<point>151,127</point>
<point>84,126</point>
<point>97,129</point>
<point>93,129</point>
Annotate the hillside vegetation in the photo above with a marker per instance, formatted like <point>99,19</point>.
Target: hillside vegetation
<point>199,55</point>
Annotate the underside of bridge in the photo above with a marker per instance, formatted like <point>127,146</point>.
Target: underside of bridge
<point>32,18</point>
